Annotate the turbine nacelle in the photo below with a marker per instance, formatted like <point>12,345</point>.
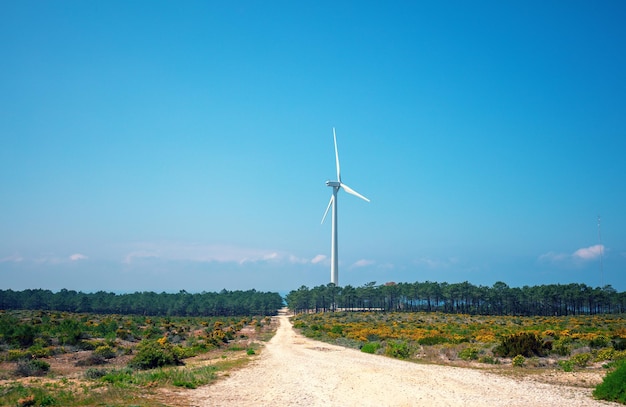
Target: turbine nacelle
<point>334,184</point>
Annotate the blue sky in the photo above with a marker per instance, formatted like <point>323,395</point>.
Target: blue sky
<point>160,146</point>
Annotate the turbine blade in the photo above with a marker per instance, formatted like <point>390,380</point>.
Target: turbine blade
<point>327,208</point>
<point>353,192</point>
<point>337,156</point>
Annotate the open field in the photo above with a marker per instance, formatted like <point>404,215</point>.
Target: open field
<point>448,360</point>
<point>566,343</point>
<point>53,358</point>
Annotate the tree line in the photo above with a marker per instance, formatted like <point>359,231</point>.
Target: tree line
<point>465,298</point>
<point>224,303</point>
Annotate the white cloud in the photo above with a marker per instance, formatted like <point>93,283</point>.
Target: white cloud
<point>271,256</point>
<point>207,253</point>
<point>140,255</point>
<point>318,259</point>
<point>16,258</point>
<point>46,258</point>
<point>553,257</point>
<point>78,256</point>
<point>436,263</point>
<point>589,253</point>
<point>581,255</point>
<point>362,263</point>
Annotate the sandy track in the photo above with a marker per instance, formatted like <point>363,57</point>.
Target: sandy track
<point>295,371</point>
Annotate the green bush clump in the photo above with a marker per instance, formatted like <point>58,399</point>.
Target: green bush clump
<point>489,360</point>
<point>22,335</point>
<point>566,365</point>
<point>120,377</point>
<point>95,374</point>
<point>152,332</point>
<point>599,341</point>
<point>562,347</point>
<point>432,340</point>
<point>518,361</point>
<point>524,343</point>
<point>399,349</point>
<point>34,367</point>
<point>470,353</point>
<point>370,347</point>
<point>17,354</point>
<point>581,359</point>
<point>605,354</point>
<point>613,387</point>
<point>152,354</point>
<point>104,351</point>
<point>70,332</point>
<point>619,343</point>
<point>38,351</point>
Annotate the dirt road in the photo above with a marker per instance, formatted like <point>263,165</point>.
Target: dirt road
<point>296,371</point>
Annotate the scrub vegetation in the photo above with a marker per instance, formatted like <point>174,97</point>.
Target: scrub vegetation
<point>568,327</point>
<point>75,359</point>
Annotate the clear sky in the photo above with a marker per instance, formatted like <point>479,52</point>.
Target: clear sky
<point>159,145</point>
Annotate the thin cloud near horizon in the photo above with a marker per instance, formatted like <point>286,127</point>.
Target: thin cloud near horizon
<point>207,253</point>
<point>584,254</point>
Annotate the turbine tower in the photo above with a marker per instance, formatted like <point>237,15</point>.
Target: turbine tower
<point>336,185</point>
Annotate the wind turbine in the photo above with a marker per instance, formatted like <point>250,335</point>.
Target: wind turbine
<point>336,185</point>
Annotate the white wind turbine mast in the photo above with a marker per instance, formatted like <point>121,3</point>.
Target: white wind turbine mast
<point>336,185</point>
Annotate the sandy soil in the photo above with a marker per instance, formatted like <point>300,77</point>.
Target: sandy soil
<point>295,371</point>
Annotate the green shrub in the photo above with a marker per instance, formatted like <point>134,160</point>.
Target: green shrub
<point>619,343</point>
<point>524,343</point>
<point>562,347</point>
<point>104,351</point>
<point>250,352</point>
<point>605,354</point>
<point>398,349</point>
<point>23,335</point>
<point>152,332</point>
<point>120,377</point>
<point>87,345</point>
<point>489,360</point>
<point>70,332</point>
<point>95,374</point>
<point>470,353</point>
<point>189,378</point>
<point>566,365</point>
<point>432,340</point>
<point>38,351</point>
<point>613,387</point>
<point>17,354</point>
<point>600,341</point>
<point>581,359</point>
<point>370,347</point>
<point>34,367</point>
<point>518,361</point>
<point>151,354</point>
